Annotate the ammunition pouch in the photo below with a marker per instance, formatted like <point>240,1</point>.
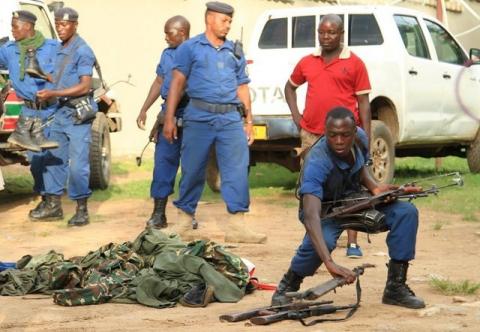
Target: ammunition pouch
<point>83,111</point>
<point>368,221</point>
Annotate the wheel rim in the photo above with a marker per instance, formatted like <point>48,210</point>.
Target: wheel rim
<point>381,159</point>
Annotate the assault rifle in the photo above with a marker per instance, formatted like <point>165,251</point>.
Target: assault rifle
<point>322,289</point>
<point>300,309</point>
<point>405,191</point>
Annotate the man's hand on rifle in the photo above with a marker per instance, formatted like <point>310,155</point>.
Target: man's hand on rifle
<point>385,187</point>
<point>340,271</point>
<point>412,189</point>
<point>142,119</point>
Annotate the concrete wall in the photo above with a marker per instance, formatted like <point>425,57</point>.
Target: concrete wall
<point>127,37</point>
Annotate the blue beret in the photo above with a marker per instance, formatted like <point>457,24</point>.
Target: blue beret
<point>24,16</point>
<point>66,14</point>
<point>220,7</point>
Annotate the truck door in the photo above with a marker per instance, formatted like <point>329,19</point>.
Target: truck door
<point>423,99</point>
<point>460,85</point>
<point>282,42</point>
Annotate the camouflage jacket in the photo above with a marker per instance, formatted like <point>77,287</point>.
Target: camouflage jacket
<point>155,270</point>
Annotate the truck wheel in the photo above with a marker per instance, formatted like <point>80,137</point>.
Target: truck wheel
<point>100,156</point>
<point>382,151</point>
<point>473,155</point>
<point>213,175</point>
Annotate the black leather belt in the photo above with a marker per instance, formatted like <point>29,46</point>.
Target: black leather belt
<point>214,108</point>
<point>35,105</point>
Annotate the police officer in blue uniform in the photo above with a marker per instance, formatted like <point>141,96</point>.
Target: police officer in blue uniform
<point>213,71</point>
<point>74,68</point>
<point>167,156</point>
<point>28,75</point>
<point>335,167</point>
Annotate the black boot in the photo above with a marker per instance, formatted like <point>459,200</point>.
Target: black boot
<point>38,136</point>
<point>40,206</point>
<point>80,218</point>
<point>158,218</point>
<point>289,283</point>
<point>22,136</point>
<point>51,210</point>
<point>32,66</point>
<point>397,291</point>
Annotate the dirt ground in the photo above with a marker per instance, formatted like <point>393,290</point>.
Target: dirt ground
<point>450,252</point>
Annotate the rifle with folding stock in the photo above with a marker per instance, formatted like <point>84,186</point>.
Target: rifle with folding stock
<point>357,212</point>
<point>302,307</point>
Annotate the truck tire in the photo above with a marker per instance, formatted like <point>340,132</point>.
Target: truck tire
<point>213,175</point>
<point>473,155</point>
<point>382,151</point>
<point>100,157</point>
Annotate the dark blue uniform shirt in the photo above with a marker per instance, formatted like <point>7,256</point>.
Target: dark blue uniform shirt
<point>213,75</point>
<point>330,178</point>
<point>80,63</point>
<point>164,70</point>
<point>28,87</point>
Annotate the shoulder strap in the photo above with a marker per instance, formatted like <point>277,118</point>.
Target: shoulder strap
<point>65,61</point>
<point>99,72</point>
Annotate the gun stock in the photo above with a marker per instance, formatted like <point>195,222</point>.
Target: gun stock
<point>239,316</point>
<point>326,287</point>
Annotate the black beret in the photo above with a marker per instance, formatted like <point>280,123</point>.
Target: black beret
<point>24,16</point>
<point>220,7</point>
<point>66,14</point>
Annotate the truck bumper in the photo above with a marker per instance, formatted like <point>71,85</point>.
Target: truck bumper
<point>275,127</point>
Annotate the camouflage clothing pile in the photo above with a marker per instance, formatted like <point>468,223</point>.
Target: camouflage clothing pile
<point>155,270</point>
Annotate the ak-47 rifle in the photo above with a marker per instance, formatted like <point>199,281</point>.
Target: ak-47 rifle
<point>300,309</point>
<point>322,289</point>
<point>358,213</point>
<point>269,310</point>
<point>402,192</point>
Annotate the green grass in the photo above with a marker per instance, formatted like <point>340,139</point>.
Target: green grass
<point>17,187</point>
<point>264,180</point>
<point>458,200</point>
<point>129,165</point>
<point>447,287</point>
<point>270,180</point>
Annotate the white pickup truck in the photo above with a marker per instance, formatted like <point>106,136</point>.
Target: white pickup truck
<point>424,100</point>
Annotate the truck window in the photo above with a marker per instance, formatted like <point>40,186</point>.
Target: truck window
<point>412,36</point>
<point>447,48</point>
<point>364,30</point>
<point>43,23</point>
<point>303,31</point>
<point>274,34</point>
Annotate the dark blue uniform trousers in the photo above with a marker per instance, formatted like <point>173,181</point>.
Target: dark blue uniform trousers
<point>402,223</point>
<point>71,159</point>
<point>232,157</point>
<point>167,160</point>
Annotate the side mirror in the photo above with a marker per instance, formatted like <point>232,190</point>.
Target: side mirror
<point>475,55</point>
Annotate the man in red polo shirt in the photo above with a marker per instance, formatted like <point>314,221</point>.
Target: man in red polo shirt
<point>335,77</point>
